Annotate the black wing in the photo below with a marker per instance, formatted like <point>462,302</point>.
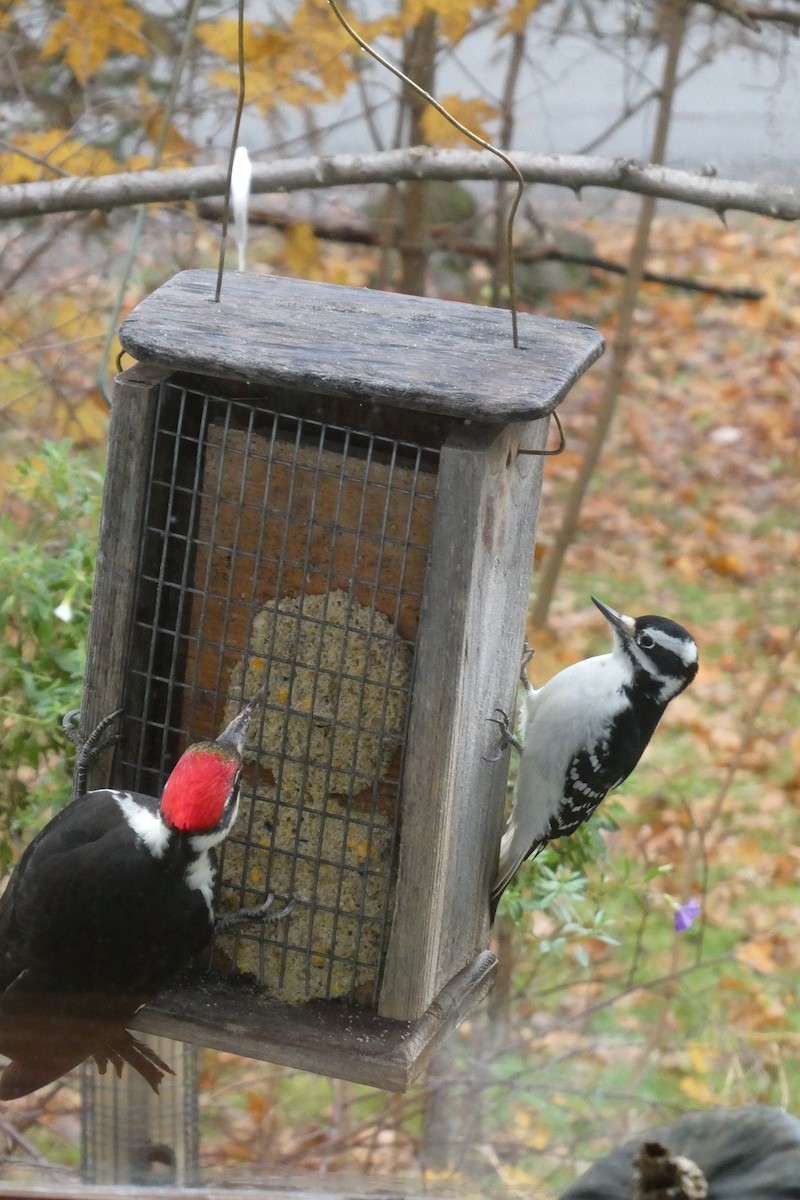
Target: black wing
<point>597,769</point>
<point>90,910</point>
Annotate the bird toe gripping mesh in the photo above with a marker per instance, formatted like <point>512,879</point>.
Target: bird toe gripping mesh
<point>285,549</point>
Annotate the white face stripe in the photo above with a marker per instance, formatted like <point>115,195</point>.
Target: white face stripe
<point>203,842</point>
<point>201,876</point>
<point>147,826</point>
<point>682,649</point>
<point>685,650</point>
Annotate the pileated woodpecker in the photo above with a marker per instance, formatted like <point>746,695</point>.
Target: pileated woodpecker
<point>106,905</point>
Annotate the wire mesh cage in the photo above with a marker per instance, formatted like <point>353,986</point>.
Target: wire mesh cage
<point>292,551</point>
<point>307,489</point>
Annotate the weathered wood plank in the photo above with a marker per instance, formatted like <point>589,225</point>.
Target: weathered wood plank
<point>124,494</point>
<point>306,1187</point>
<point>469,648</point>
<point>325,1036</point>
<point>427,355</point>
<point>276,1189</point>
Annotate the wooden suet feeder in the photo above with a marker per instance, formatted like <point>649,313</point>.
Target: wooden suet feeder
<point>329,488</point>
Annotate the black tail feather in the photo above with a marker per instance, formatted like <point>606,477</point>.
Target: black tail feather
<point>125,1048</point>
<point>41,1052</point>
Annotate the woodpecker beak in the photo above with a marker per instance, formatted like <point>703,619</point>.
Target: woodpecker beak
<point>235,734</point>
<point>625,626</point>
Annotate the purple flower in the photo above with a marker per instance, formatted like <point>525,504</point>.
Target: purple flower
<point>686,915</point>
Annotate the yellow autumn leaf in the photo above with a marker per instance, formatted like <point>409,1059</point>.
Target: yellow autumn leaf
<point>697,1089</point>
<point>321,48</point>
<point>393,25</point>
<point>415,11</point>
<point>222,37</point>
<point>176,150</point>
<point>471,113</point>
<point>54,152</point>
<point>85,423</point>
<point>308,62</point>
<point>260,42</point>
<point>454,17</point>
<point>518,16</point>
<point>139,162</point>
<point>758,955</point>
<point>85,42</point>
<point>700,1058</point>
<point>71,319</point>
<point>301,253</point>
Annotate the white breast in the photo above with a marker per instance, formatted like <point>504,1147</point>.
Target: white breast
<point>563,717</point>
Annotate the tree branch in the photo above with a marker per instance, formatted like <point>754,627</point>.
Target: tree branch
<point>751,15</point>
<point>446,238</point>
<point>575,172</point>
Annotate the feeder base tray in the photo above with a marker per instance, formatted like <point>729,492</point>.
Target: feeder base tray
<point>328,1037</point>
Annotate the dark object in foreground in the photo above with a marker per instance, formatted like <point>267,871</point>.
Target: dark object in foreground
<point>661,1175</point>
<point>106,905</point>
<point>746,1153</point>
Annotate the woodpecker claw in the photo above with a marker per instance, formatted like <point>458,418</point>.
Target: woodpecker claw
<point>528,654</point>
<point>69,724</point>
<point>88,748</point>
<point>246,916</point>
<point>509,739</point>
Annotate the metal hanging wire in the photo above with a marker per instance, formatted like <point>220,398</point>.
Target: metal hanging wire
<point>482,142</point>
<point>501,154</point>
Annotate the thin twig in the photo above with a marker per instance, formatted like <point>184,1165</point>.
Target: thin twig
<point>552,565</point>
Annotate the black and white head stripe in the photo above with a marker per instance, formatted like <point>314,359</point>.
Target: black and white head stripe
<point>663,652</point>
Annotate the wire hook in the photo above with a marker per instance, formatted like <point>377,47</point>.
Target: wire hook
<point>560,448</point>
<point>512,212</point>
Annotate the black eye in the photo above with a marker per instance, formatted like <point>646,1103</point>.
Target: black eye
<point>645,641</point>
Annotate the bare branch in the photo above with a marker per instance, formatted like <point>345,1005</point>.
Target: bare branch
<point>445,237</point>
<point>575,172</point>
<point>751,15</point>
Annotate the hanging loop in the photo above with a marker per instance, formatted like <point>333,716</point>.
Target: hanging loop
<point>559,449</point>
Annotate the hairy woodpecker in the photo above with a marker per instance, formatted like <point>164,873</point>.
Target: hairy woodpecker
<point>106,905</point>
<point>585,730</point>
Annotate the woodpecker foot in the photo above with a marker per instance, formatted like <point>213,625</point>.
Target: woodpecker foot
<point>508,739</point>
<point>527,655</point>
<point>88,748</point>
<point>247,916</point>
<point>69,724</point>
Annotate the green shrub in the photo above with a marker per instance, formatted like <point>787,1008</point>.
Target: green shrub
<point>47,551</point>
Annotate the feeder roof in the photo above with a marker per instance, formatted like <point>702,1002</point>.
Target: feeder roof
<point>434,356</point>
